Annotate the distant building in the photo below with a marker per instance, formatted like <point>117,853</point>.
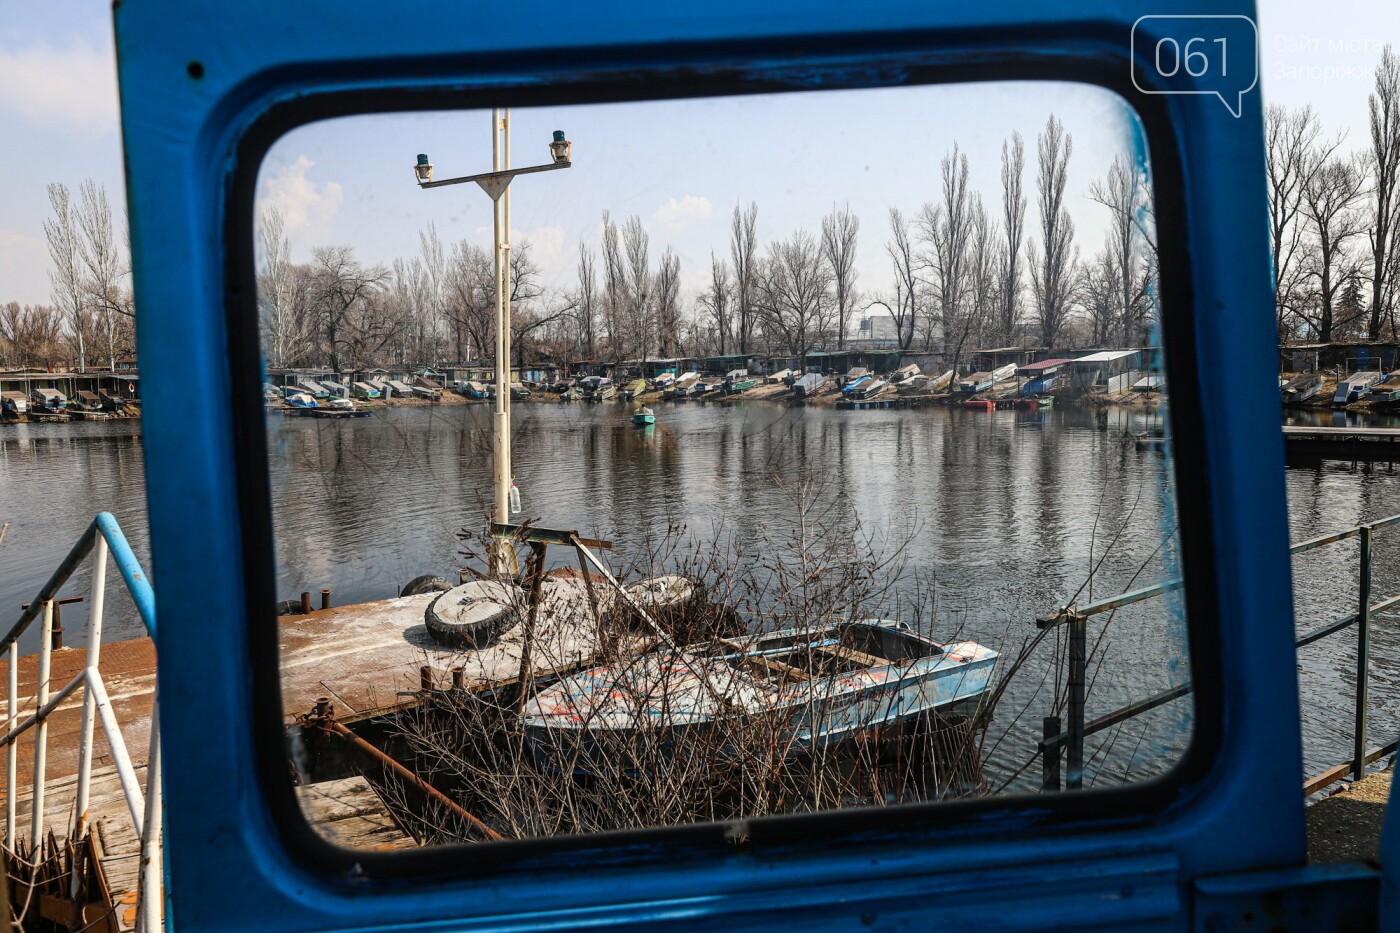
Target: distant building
<point>876,330</point>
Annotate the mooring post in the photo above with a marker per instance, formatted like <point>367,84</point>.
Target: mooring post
<point>1078,639</point>
<point>1050,754</point>
<point>1363,657</point>
<point>326,598</point>
<point>306,603</point>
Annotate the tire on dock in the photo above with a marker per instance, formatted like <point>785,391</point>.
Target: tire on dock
<point>474,614</point>
<point>678,602</point>
<point>427,583</point>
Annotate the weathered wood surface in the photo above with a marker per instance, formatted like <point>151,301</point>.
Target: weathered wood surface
<point>111,818</point>
<point>364,656</point>
<point>349,813</point>
<point>129,674</point>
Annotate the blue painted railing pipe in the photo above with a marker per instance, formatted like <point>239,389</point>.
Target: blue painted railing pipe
<point>137,583</point>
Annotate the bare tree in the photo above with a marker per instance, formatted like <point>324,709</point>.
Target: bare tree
<point>30,336</point>
<point>469,299</point>
<point>346,302</point>
<point>283,297</point>
<point>743,252</point>
<point>839,231</point>
<point>1099,286</point>
<point>1291,147</point>
<point>1330,199</point>
<point>947,230</point>
<point>640,322</point>
<point>587,302</point>
<point>428,296</point>
<point>718,301</point>
<point>668,304</point>
<point>1384,105</point>
<point>66,276</point>
<point>794,293</point>
<point>103,266</point>
<point>1013,221</point>
<point>1122,193</point>
<point>903,305</point>
<point>614,284</point>
<point>1052,271</point>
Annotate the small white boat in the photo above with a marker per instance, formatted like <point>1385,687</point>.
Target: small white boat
<point>811,687</point>
<point>1354,386</point>
<point>779,376</point>
<point>871,389</point>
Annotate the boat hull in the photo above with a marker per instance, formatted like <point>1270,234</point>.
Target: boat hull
<point>703,701</point>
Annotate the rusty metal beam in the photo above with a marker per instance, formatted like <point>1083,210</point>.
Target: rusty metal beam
<point>340,730</point>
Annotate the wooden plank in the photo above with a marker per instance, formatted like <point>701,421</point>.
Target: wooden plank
<point>349,813</point>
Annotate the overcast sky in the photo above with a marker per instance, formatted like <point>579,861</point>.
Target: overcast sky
<point>680,167</point>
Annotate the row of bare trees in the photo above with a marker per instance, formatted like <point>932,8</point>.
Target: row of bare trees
<point>1333,219</point>
<point>959,275</point>
<point>91,317</point>
<point>340,312</point>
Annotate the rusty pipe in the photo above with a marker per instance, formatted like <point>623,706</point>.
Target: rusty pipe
<point>345,733</point>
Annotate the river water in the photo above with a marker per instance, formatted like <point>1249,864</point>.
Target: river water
<point>995,517</point>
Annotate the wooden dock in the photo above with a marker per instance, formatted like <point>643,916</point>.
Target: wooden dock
<point>369,658</point>
<point>1342,443</point>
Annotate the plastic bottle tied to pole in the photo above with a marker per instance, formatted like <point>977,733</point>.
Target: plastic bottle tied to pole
<point>514,498</point>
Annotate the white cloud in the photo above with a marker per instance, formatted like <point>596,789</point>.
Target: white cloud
<point>303,204</point>
<point>674,216</point>
<point>24,264</point>
<point>75,87</point>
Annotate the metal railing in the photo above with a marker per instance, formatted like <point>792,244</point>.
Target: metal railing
<point>103,538</point>
<point>1068,738</point>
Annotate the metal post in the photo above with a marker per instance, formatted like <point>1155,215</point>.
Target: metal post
<point>94,655</point>
<point>150,906</point>
<point>1078,639</point>
<point>11,752</point>
<point>1363,657</point>
<point>1050,754</point>
<point>41,728</point>
<point>326,598</point>
<point>306,603</point>
<point>502,434</point>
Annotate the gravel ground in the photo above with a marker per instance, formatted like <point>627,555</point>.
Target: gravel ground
<point>1346,826</point>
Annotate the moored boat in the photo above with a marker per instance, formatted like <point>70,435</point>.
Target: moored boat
<point>939,383</point>
<point>1300,388</point>
<point>634,388</point>
<point>299,399</point>
<point>851,388</point>
<point>808,385</point>
<point>813,687</point>
<point>977,382</point>
<point>1354,386</point>
<point>980,404</point>
<point>871,389</point>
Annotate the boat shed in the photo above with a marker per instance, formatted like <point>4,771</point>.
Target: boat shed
<point>998,357</point>
<point>842,361</point>
<point>1106,371</point>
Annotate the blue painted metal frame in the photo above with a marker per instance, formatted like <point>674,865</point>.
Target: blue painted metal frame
<point>199,80</point>
<point>137,584</point>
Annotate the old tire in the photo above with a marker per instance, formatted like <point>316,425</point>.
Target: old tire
<point>427,583</point>
<point>473,615</point>
<point>674,600</point>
